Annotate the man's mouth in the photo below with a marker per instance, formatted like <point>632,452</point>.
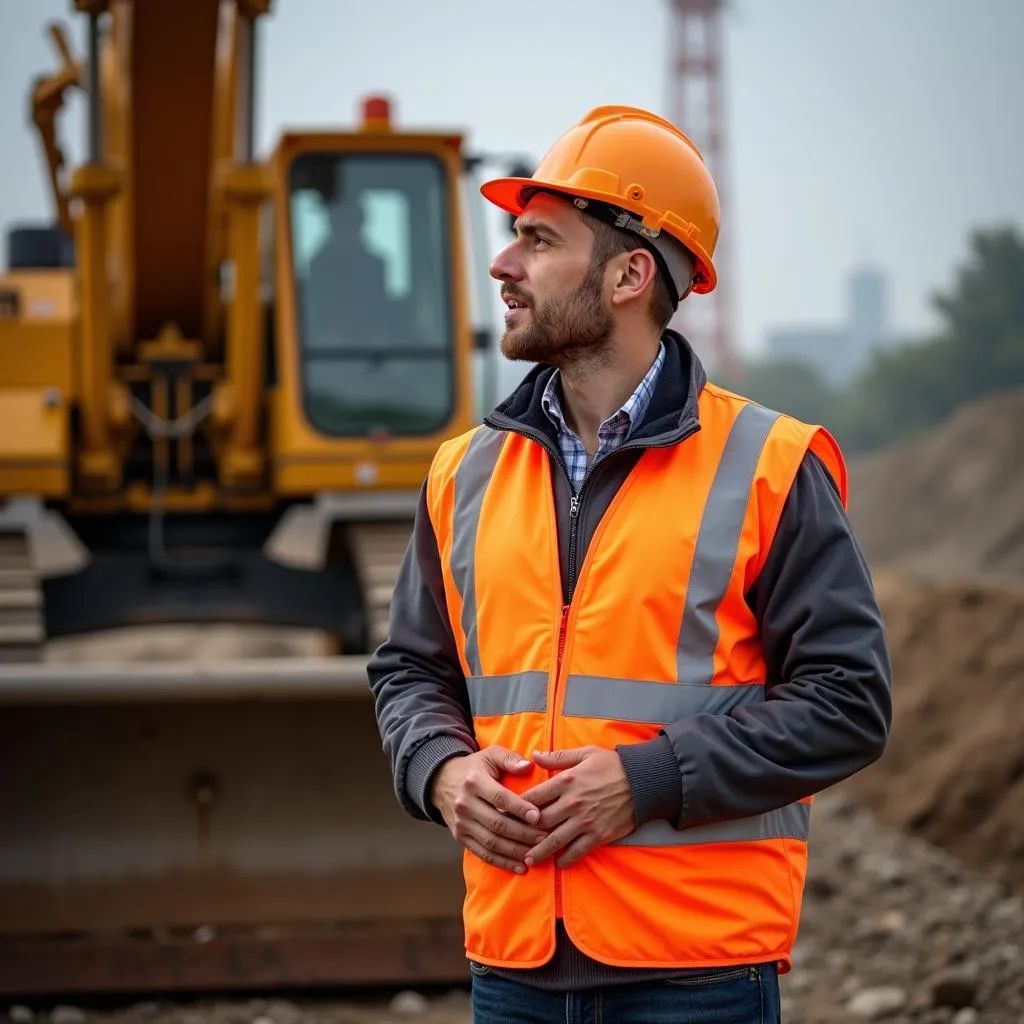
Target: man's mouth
<point>515,307</point>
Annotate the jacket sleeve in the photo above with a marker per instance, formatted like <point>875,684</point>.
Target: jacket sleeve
<point>416,678</point>
<point>828,706</point>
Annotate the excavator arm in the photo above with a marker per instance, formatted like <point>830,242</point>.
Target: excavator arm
<point>47,102</point>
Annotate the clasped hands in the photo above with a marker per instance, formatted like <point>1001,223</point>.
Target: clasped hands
<point>586,803</point>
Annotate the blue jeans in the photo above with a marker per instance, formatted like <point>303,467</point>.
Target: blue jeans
<point>720,995</point>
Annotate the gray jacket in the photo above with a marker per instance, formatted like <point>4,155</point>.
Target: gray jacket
<point>828,705</point>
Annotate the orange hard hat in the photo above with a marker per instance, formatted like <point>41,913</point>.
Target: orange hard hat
<point>639,164</point>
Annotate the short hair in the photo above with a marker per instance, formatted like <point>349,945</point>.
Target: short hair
<point>609,242</point>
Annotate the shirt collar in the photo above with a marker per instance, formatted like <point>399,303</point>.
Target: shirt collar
<point>633,408</point>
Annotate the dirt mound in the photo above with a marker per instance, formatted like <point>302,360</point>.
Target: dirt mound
<point>941,520</point>
<point>953,772</point>
<point>952,502</point>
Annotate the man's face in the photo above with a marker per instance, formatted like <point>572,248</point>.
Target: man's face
<point>555,299</point>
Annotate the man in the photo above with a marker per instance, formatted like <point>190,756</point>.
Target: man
<point>633,633</point>
<point>345,299</point>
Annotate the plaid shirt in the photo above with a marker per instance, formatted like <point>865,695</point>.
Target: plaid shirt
<point>611,433</point>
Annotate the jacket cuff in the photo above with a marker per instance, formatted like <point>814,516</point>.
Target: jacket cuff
<point>424,763</point>
<point>652,772</point>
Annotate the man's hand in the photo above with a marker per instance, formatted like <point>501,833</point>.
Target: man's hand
<point>586,804</point>
<point>483,815</point>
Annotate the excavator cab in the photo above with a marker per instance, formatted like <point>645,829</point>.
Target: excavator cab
<point>371,310</point>
<point>369,243</point>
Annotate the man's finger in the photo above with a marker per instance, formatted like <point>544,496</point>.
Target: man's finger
<point>506,826</point>
<point>562,836</point>
<point>577,848</point>
<point>554,814</point>
<point>546,792</point>
<point>505,800</point>
<point>494,858</point>
<point>496,844</point>
<point>506,760</point>
<point>558,759</point>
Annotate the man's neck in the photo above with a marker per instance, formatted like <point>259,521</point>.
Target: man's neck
<point>595,388</point>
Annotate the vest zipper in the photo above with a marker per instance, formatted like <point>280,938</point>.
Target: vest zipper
<point>551,741</point>
<point>574,520</point>
<point>561,638</point>
<point>573,558</point>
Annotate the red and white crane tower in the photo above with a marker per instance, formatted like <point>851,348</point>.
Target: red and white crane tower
<point>696,106</point>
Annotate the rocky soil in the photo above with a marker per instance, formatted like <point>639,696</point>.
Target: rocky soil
<point>953,771</point>
<point>893,930</point>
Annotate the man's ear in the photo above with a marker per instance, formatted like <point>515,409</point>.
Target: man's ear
<point>635,276</point>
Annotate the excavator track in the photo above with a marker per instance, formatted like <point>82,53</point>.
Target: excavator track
<point>22,628</point>
<point>378,549</point>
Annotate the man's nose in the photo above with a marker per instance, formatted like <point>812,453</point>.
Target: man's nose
<point>506,266</point>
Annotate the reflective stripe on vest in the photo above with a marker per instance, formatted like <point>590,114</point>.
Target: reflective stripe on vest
<point>790,822</point>
<point>717,543</point>
<point>622,700</point>
<point>470,487</point>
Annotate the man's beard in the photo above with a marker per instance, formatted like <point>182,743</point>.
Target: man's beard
<point>562,329</point>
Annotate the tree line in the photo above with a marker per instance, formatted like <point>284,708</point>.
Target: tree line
<point>907,388</point>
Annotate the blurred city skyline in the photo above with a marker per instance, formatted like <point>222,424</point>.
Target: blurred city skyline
<point>859,135</point>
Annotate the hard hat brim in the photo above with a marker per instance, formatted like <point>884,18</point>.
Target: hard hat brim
<point>505,193</point>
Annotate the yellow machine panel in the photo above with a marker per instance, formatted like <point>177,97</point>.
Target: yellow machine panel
<point>33,442</point>
<point>36,330</point>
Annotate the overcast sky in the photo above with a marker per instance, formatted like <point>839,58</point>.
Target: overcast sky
<point>858,129</point>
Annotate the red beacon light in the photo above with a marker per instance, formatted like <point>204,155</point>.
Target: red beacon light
<point>377,113</point>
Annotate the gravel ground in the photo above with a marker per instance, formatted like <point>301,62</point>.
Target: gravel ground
<point>892,930</point>
<point>897,930</point>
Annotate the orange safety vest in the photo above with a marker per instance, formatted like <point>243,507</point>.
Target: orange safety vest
<point>657,629</point>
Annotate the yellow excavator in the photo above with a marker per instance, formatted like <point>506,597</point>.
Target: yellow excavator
<point>201,343</point>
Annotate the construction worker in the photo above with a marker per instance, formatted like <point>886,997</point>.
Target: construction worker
<point>633,633</point>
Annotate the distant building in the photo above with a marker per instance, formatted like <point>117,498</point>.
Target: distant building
<point>839,352</point>
<point>867,312</point>
<point>825,348</point>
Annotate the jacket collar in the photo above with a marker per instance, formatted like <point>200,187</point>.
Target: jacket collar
<point>671,415</point>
